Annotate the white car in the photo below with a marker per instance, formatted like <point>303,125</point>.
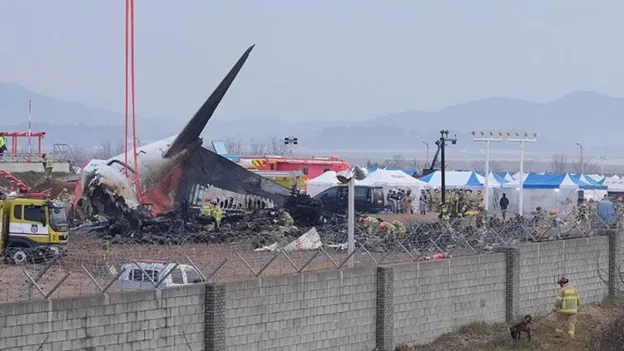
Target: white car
<point>148,275</point>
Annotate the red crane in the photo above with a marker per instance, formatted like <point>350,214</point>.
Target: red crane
<point>130,111</point>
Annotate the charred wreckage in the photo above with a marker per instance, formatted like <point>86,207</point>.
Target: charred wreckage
<point>176,175</point>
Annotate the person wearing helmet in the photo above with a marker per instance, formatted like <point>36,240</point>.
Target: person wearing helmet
<point>369,223</point>
<point>387,229</point>
<point>566,306</point>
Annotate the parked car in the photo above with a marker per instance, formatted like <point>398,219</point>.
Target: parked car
<point>368,199</point>
<point>145,276</point>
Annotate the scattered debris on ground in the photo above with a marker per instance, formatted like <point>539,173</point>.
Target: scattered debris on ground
<point>599,327</point>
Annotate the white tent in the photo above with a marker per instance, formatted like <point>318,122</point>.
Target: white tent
<point>453,179</point>
<point>614,184</point>
<point>394,179</point>
<point>319,184</point>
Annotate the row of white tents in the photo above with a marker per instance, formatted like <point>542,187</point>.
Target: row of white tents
<point>559,191</point>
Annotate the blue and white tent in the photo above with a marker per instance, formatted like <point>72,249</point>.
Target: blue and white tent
<point>552,191</point>
<point>453,179</point>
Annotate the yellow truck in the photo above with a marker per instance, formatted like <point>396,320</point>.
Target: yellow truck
<point>32,228</point>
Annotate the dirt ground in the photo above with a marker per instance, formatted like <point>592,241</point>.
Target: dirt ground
<point>218,262</point>
<point>592,321</point>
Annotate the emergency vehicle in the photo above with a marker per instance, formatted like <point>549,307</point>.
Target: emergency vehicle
<point>305,168</point>
<point>32,227</point>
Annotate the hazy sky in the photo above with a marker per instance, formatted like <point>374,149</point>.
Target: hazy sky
<point>314,59</point>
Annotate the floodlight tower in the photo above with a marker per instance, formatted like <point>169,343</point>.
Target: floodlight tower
<point>487,138</point>
<point>289,142</point>
<point>524,138</point>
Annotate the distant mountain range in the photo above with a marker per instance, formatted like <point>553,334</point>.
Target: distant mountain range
<point>582,116</point>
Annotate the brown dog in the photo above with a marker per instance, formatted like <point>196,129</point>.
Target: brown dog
<point>523,327</point>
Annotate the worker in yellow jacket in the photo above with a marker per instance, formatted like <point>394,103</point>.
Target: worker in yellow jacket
<point>48,165</point>
<point>566,306</point>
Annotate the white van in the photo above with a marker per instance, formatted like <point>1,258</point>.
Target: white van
<point>145,275</point>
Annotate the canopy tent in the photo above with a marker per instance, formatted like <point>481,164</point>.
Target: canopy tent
<point>462,179</point>
<point>453,179</point>
<point>319,184</point>
<point>615,184</point>
<point>408,171</point>
<point>551,191</point>
<point>390,179</point>
<point>596,177</point>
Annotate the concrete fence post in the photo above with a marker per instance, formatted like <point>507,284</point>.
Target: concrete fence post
<point>384,331</point>
<point>616,256</point>
<point>214,322</point>
<point>512,281</point>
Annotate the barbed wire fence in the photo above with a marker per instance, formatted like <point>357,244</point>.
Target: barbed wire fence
<point>93,265</point>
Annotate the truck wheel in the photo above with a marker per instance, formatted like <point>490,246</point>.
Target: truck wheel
<point>17,255</point>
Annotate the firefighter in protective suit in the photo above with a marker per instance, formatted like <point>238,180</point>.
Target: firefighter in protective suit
<point>286,218</point>
<point>566,306</point>
<point>48,165</point>
<point>209,208</point>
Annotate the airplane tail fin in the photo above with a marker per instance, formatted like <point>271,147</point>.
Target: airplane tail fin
<point>196,125</point>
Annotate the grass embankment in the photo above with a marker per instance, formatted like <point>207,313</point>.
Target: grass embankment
<point>599,327</point>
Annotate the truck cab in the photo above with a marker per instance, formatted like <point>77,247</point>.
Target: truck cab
<point>32,228</point>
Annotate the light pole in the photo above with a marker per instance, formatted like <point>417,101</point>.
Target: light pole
<point>487,138</point>
<point>349,178</point>
<point>442,144</point>
<point>581,165</point>
<point>521,139</point>
<point>289,142</point>
<point>602,161</point>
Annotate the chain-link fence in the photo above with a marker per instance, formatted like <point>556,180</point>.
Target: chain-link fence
<point>93,265</point>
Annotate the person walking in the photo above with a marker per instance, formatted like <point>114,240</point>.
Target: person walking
<point>566,306</point>
<point>504,202</point>
<point>407,200</point>
<point>423,201</point>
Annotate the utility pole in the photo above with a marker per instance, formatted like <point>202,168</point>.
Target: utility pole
<point>487,138</point>
<point>521,139</point>
<point>581,164</point>
<point>443,139</point>
<point>427,144</point>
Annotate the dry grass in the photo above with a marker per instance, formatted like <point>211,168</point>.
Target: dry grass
<point>592,321</point>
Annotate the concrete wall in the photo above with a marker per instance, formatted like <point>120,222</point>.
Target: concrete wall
<point>158,320</point>
<point>541,266</point>
<point>332,310</point>
<point>349,309</point>
<point>433,298</point>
